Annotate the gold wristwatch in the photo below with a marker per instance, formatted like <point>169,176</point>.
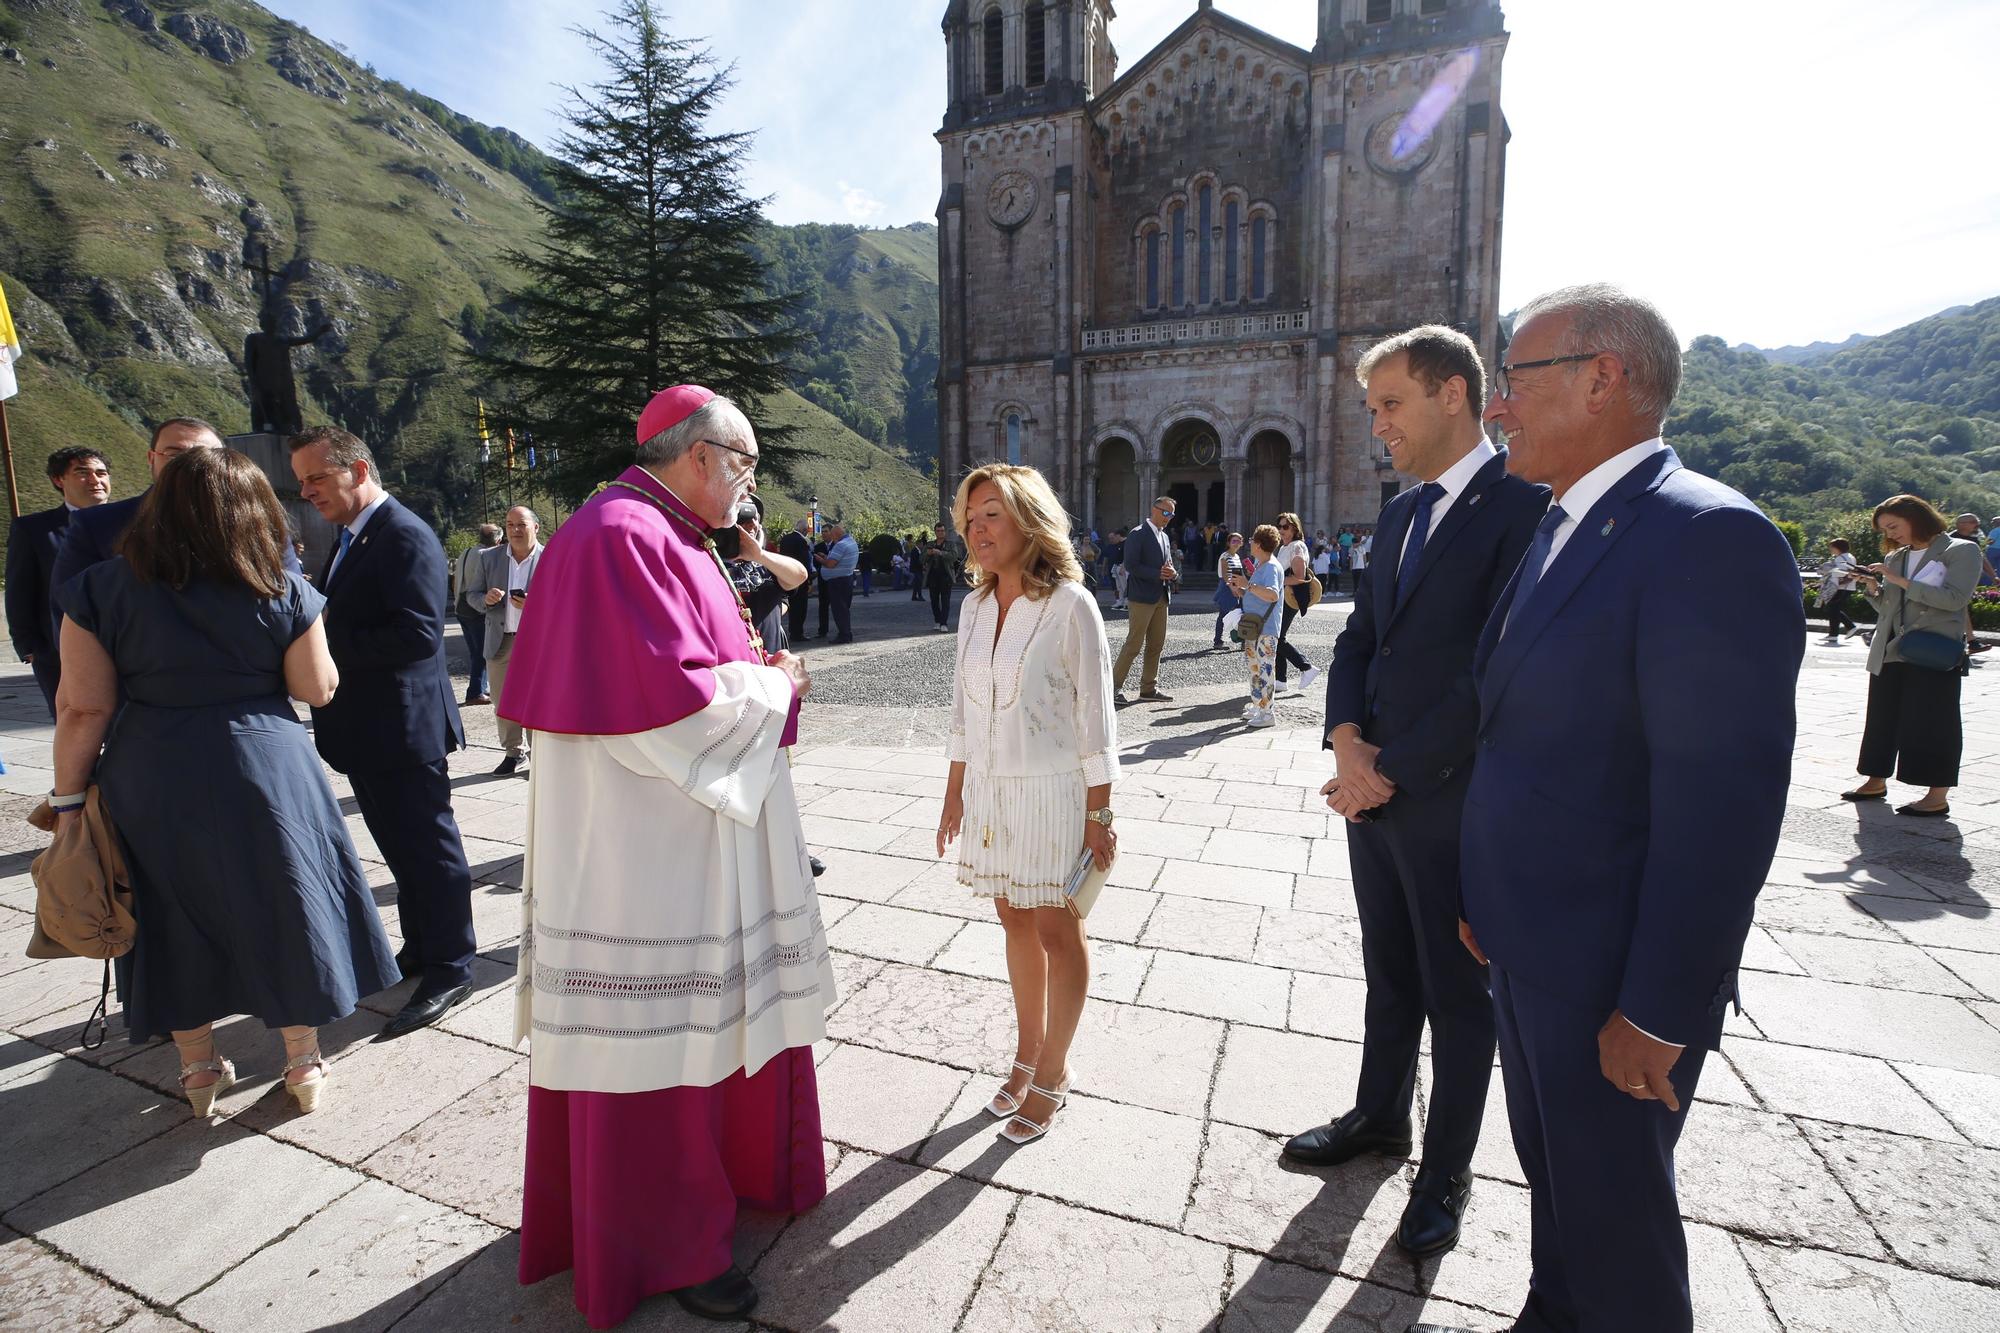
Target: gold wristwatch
<point>1099,816</point>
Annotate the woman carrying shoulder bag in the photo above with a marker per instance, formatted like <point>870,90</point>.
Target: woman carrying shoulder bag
<point>1920,593</point>
<point>247,891</point>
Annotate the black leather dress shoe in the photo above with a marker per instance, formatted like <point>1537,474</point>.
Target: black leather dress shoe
<point>511,764</point>
<point>1349,1136</point>
<point>818,866</point>
<point>1154,696</point>
<point>424,1010</point>
<point>729,1296</point>
<point>1430,1218</point>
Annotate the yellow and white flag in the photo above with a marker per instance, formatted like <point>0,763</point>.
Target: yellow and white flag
<point>10,350</point>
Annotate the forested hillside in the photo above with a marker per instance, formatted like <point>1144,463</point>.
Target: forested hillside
<point>1915,410</point>
<point>153,151</point>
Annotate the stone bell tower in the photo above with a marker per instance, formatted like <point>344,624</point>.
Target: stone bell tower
<point>1018,148</point>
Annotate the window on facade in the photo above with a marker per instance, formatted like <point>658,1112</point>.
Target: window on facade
<point>1205,248</point>
<point>1232,220</point>
<point>1430,7</point>
<point>990,49</point>
<point>1038,44</point>
<point>1014,438</point>
<point>1177,220</point>
<point>1378,11</point>
<point>1260,229</point>
<point>1153,270</point>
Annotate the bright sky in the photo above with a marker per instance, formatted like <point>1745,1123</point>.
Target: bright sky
<point>1774,171</point>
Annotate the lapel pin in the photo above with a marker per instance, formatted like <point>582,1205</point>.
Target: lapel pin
<point>1609,524</point>
<point>1473,500</point>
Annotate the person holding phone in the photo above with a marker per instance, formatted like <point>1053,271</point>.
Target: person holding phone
<point>506,571</point>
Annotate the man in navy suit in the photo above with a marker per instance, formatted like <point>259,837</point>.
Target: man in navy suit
<point>1401,716</point>
<point>395,716</point>
<point>92,535</point>
<point>1636,693</point>
<point>83,479</point>
<point>1149,579</point>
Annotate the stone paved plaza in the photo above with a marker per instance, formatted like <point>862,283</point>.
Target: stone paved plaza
<point>1842,1173</point>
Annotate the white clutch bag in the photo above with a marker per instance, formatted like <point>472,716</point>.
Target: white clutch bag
<point>1085,880</point>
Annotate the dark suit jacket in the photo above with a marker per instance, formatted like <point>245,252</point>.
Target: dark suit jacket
<point>1143,559</point>
<point>1403,673</point>
<point>385,613</point>
<point>1635,747</point>
<point>795,545</point>
<point>92,538</point>
<point>32,543</point>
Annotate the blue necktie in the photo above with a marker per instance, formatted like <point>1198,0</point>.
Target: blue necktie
<point>346,540</point>
<point>1538,557</point>
<point>1413,545</point>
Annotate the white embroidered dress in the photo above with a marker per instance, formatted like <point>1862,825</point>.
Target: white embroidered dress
<point>1033,722</point>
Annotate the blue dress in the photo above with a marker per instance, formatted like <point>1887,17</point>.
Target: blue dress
<point>249,896</point>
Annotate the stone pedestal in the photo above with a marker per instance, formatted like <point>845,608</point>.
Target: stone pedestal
<point>269,452</point>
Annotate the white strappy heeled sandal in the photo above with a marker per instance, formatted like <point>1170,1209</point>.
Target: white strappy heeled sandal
<point>1059,1095</point>
<point>1005,1103</point>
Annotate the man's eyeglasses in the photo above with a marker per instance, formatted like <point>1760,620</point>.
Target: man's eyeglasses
<point>1507,389</point>
<point>741,453</point>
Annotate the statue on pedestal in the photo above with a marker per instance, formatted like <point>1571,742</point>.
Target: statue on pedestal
<point>267,364</point>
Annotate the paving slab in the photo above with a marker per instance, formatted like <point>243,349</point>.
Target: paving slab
<point>40,1289</point>
<point>1282,1082</point>
<point>1127,1160</point>
<point>1329,1006</point>
<point>1204,926</point>
<point>1877,963</point>
<point>485,1294</point>
<point>1892,1025</point>
<point>1814,1291</point>
<point>892,933</point>
<point>361,1263</point>
<point>955,1020</point>
<point>1970,1101</point>
<point>242,1189</point>
<point>1218,988</point>
<point>890,1247</point>
<point>1937,1204</point>
<point>1753,1171</point>
<point>471,1155</point>
<point>889,1104</point>
<point>1831,1085</point>
<point>46,1137</point>
<point>1063,1269</point>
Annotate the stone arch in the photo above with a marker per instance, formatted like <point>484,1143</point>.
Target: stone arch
<point>1113,495</point>
<point>1270,422</point>
<point>1188,409</point>
<point>1270,475</point>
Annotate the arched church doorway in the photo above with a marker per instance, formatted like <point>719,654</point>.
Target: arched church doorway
<point>1191,471</point>
<point>1267,482</point>
<point>1116,501</point>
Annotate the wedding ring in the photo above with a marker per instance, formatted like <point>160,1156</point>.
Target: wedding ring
<point>1640,1084</point>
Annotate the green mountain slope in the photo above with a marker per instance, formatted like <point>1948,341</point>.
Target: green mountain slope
<point>1951,360</point>
<point>152,152</point>
<point>870,300</point>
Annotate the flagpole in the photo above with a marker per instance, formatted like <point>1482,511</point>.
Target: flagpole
<point>7,452</point>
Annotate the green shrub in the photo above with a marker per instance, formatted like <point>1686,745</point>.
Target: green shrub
<point>1795,533</point>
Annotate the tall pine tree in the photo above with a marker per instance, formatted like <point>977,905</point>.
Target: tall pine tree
<point>646,277</point>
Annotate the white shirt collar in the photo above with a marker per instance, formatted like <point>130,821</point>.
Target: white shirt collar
<point>1593,485</point>
<point>72,508</point>
<point>1459,475</point>
<point>361,519</point>
<point>533,551</point>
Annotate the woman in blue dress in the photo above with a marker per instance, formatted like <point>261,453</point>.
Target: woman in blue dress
<point>178,657</point>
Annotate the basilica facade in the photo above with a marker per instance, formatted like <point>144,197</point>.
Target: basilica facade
<point>1158,280</point>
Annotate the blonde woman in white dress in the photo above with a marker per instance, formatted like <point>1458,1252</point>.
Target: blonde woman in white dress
<point>1034,751</point>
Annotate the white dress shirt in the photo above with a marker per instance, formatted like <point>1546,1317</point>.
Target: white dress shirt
<point>1593,486</point>
<point>517,581</point>
<point>360,522</point>
<point>1454,479</point>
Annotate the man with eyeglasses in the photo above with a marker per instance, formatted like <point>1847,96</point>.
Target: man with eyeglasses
<point>1149,579</point>
<point>1636,690</point>
<point>92,535</point>
<point>681,974</point>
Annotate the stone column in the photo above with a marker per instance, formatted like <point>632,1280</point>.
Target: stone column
<point>1089,497</point>
<point>1234,470</point>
